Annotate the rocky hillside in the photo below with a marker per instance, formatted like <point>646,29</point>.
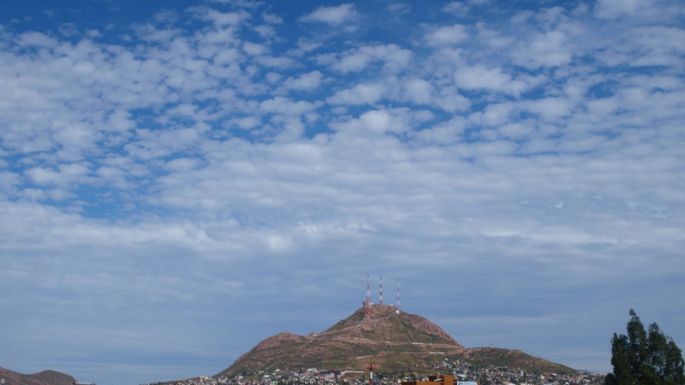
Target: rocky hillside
<point>513,358</point>
<point>394,342</point>
<point>47,377</point>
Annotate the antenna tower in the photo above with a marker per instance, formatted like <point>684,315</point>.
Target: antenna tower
<point>380,292</point>
<point>397,301</point>
<point>367,299</point>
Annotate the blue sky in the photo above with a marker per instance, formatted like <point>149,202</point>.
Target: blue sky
<point>179,180</point>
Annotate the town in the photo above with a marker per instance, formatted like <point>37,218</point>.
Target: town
<point>464,374</point>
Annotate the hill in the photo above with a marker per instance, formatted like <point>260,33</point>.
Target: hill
<point>47,377</point>
<point>395,342</point>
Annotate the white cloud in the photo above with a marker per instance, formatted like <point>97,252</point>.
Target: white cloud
<point>305,82</point>
<point>378,121</point>
<point>449,99</point>
<point>417,90</point>
<point>493,38</point>
<point>67,29</point>
<point>375,122</point>
<point>254,49</point>
<point>221,19</point>
<point>553,109</point>
<point>272,19</point>
<point>333,15</point>
<point>265,31</point>
<point>516,130</point>
<point>150,33</point>
<point>548,49</point>
<point>444,133</point>
<point>363,93</point>
<point>183,164</point>
<point>393,57</point>
<point>447,35</point>
<point>43,176</point>
<point>658,46</point>
<point>286,106</point>
<point>36,39</point>
<point>280,62</point>
<point>481,77</point>
<point>494,114</point>
<point>456,7</point>
<point>463,6</point>
<point>610,9</point>
<point>399,8</point>
<point>247,122</point>
<point>64,175</point>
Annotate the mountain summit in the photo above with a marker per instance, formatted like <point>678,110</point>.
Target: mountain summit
<point>46,377</point>
<point>394,341</point>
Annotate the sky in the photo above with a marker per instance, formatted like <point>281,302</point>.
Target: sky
<point>182,179</point>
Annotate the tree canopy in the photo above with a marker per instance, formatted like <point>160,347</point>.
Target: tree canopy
<point>644,357</point>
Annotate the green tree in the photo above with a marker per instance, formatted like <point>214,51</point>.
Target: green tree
<point>644,357</point>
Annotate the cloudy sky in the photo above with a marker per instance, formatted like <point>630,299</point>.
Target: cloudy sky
<point>181,179</point>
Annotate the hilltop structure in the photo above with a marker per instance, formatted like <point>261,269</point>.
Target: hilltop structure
<point>367,299</point>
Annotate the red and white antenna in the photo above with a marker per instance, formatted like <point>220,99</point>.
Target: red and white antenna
<point>380,292</point>
<point>397,300</point>
<point>367,299</point>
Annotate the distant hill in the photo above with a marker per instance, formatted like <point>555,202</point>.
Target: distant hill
<point>394,342</point>
<point>513,358</point>
<point>47,377</point>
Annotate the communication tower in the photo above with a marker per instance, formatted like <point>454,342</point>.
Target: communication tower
<point>380,292</point>
<point>397,300</point>
<point>367,298</point>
